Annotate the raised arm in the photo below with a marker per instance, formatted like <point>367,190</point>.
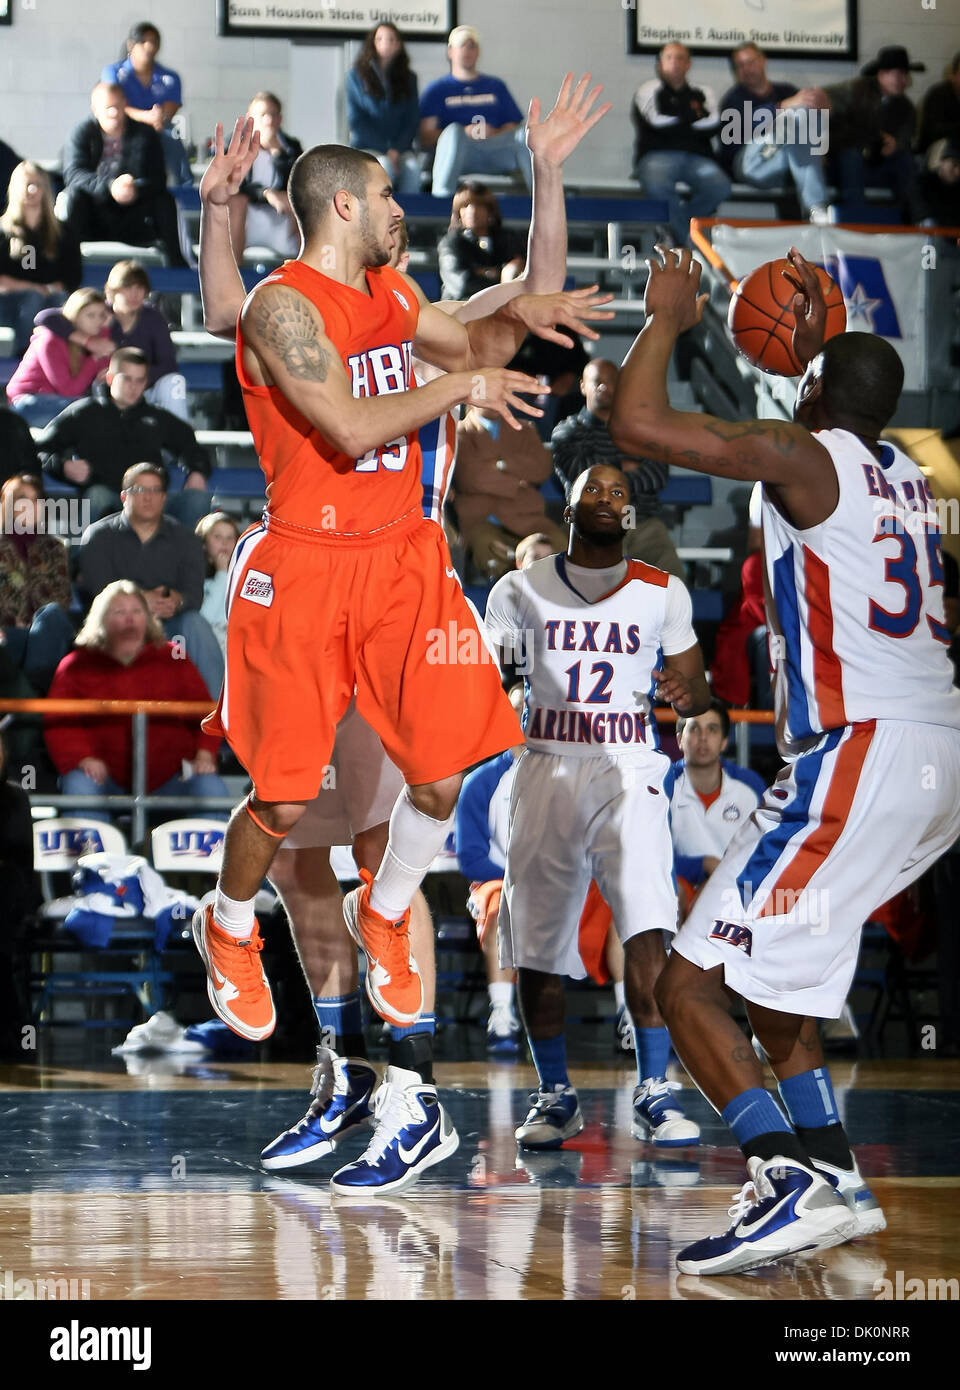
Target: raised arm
<point>786,456</point>
<point>286,346</point>
<point>221,286</point>
<point>551,142</point>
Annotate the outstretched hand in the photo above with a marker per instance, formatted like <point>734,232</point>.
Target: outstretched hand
<point>809,307</point>
<point>558,135</point>
<point>229,167</point>
<point>672,287</point>
<point>541,313</point>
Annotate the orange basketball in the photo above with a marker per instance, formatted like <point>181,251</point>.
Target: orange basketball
<point>760,317</point>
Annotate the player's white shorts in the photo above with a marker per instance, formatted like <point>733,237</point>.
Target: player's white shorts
<point>573,819</point>
<point>843,829</point>
<point>364,790</point>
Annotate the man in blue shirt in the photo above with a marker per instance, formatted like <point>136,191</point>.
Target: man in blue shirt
<point>771,133</point>
<point>471,120</point>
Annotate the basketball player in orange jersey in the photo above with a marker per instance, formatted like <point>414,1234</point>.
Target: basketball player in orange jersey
<point>344,581</point>
<point>366,782</point>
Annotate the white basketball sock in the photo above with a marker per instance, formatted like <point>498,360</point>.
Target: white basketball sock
<point>619,994</point>
<point>500,992</point>
<point>414,842</point>
<point>235,918</point>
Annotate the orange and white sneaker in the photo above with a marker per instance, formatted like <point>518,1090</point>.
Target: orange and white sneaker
<point>394,987</point>
<point>236,985</point>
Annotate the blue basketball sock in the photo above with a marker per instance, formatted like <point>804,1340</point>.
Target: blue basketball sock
<point>752,1113</point>
<point>809,1099</point>
<point>426,1023</point>
<point>653,1052</point>
<point>341,1022</point>
<point>550,1059</point>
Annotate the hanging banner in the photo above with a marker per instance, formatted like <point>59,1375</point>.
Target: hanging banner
<point>329,19</point>
<point>883,278</point>
<point>782,28</point>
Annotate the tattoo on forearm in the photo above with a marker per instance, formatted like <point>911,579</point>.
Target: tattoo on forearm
<point>743,1054</point>
<point>285,323</point>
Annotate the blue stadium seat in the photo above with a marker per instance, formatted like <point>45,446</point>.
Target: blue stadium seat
<point>687,492</point>
<point>707,605</point>
<point>237,482</point>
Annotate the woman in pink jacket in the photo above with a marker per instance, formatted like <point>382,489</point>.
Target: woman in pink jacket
<point>54,371</point>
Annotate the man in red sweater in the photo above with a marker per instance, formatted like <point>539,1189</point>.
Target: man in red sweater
<point>120,654</point>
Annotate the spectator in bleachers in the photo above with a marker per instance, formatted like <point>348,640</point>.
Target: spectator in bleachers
<point>559,370</point>
<point>219,533</point>
<point>260,213</point>
<point>470,120</point>
<point>160,555</point>
<point>939,185</point>
<point>35,593</point>
<point>536,546</point>
<point>9,159</point>
<point>940,112</point>
<point>56,372</point>
<point>872,122</point>
<point>383,106</point>
<point>496,489</point>
<point>120,654</point>
<point>674,123</point>
<point>477,250</point>
<point>776,148</point>
<point>18,453</point>
<point>116,179</point>
<point>710,798</point>
<point>584,439</point>
<point>39,255</point>
<point>135,323</point>
<point>93,442</point>
<point>154,94</point>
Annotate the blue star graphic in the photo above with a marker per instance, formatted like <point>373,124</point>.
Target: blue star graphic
<point>860,308</point>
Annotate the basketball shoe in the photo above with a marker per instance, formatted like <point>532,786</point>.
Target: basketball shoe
<point>341,1090</point>
<point>860,1200</point>
<point>784,1209</point>
<point>553,1117</point>
<point>237,988</point>
<point>657,1117</point>
<point>503,1031</point>
<point>393,985</point>
<point>413,1132</point>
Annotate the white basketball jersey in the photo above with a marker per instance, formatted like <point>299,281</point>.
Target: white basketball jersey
<point>855,605</point>
<point>587,665</point>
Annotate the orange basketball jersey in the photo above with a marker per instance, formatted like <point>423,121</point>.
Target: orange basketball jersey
<point>310,483</point>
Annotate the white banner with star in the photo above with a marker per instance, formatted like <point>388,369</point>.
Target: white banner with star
<point>883,278</point>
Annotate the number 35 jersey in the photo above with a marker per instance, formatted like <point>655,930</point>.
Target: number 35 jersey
<point>588,663</point>
<point>855,605</point>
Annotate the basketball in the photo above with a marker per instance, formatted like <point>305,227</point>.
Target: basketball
<point>761,320</point>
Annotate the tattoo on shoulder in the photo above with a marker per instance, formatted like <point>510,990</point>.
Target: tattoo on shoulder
<point>285,323</point>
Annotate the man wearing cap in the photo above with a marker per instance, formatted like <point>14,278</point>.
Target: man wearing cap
<point>872,121</point>
<point>470,120</point>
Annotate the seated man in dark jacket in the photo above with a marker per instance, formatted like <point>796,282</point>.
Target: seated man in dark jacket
<point>583,440</point>
<point>116,179</point>
<point>94,441</point>
<point>164,558</point>
<point>872,121</point>
<point>18,453</point>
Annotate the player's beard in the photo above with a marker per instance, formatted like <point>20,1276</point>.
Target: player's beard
<point>375,253</point>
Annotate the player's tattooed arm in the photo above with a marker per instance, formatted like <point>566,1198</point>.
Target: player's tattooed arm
<point>287,324</point>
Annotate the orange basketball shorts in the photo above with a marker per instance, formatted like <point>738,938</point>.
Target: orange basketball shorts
<point>310,618</point>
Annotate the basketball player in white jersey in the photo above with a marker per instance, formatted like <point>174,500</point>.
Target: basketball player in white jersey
<point>869,722</point>
<point>356,809</point>
<point>587,630</point>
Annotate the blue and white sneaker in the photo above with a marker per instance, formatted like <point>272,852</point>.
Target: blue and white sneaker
<point>503,1031</point>
<point>553,1117</point>
<point>341,1089</point>
<point>850,1185</point>
<point>413,1132</point>
<point>784,1209</point>
<point>658,1117</point>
